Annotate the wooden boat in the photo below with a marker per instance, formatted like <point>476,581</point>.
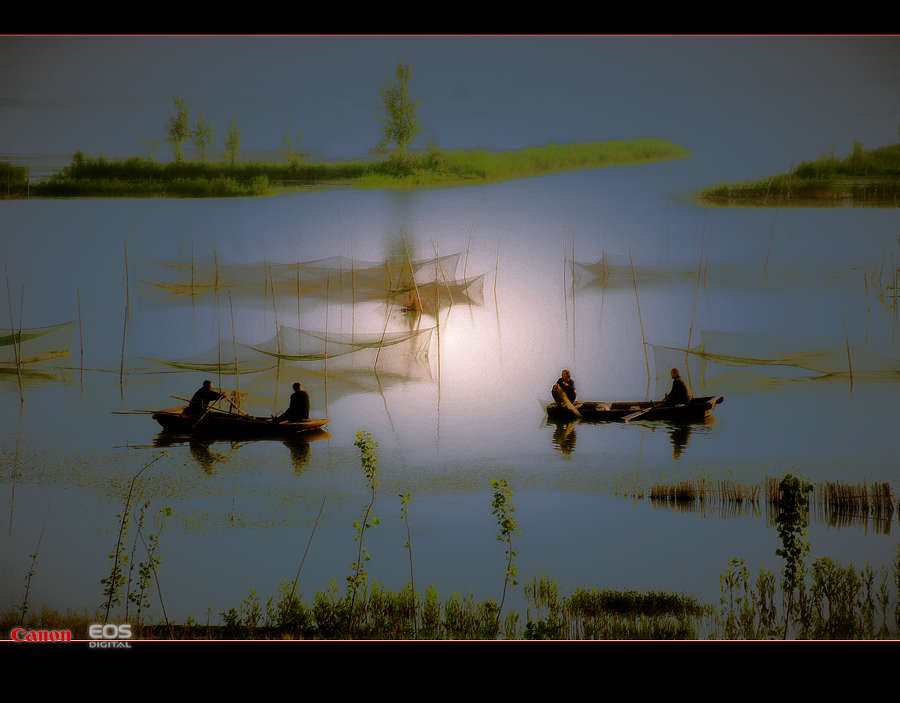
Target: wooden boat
<point>697,410</point>
<point>222,424</point>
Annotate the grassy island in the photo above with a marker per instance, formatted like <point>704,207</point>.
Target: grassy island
<point>864,178</point>
<point>429,167</point>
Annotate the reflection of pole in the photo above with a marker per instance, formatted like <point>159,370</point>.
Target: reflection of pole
<point>640,320</point>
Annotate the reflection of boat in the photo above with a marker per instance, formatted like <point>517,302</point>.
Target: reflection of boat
<point>695,411</point>
<point>231,425</point>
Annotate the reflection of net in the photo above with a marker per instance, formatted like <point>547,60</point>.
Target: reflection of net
<point>761,360</point>
<point>341,279</point>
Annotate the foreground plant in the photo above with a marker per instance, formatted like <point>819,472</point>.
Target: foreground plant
<point>503,510</point>
<point>369,460</point>
<point>792,523</point>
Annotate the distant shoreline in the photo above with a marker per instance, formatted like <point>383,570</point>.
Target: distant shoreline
<point>427,168</point>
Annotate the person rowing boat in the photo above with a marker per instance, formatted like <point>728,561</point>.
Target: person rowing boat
<point>201,400</point>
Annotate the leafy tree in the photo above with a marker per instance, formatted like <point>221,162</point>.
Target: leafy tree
<point>232,141</point>
<point>202,135</point>
<point>178,129</point>
<point>400,120</point>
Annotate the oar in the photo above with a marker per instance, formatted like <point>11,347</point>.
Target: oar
<point>634,415</point>
<point>208,408</point>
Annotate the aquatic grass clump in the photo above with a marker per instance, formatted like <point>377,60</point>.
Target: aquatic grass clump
<point>863,176</point>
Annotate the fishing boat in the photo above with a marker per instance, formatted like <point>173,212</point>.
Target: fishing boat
<point>697,410</point>
<point>232,425</point>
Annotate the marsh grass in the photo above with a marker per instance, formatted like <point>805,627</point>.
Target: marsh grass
<point>833,602</point>
<point>431,166</point>
<point>864,176</point>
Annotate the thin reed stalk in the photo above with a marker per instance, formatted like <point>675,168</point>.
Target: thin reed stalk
<point>31,572</point>
<point>299,325</point>
<point>306,551</point>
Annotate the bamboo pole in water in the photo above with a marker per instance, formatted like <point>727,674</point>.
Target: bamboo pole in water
<point>573,293</point>
<point>218,320</point>
<point>325,353</point>
<point>299,326</point>
<point>565,290</point>
<point>387,271</point>
<point>868,307</point>
<point>12,331</point>
<point>849,363</point>
<point>412,274</point>
<point>640,320</point>
<point>687,365</point>
<point>124,325</point>
<point>352,296</point>
<point>275,312</point>
<point>237,377</point>
<point>80,333</point>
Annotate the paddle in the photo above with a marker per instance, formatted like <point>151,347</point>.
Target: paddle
<point>632,416</point>
<point>208,408</point>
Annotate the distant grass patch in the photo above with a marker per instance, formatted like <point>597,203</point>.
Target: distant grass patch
<point>864,177</point>
<point>428,167</point>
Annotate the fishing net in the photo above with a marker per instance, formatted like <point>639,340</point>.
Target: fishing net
<point>42,352</point>
<point>753,360</point>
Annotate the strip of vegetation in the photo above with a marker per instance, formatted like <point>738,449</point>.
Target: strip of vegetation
<point>839,603</point>
<point>864,177</point>
<point>429,167</point>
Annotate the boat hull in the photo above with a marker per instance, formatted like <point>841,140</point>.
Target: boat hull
<point>233,425</point>
<point>696,411</point>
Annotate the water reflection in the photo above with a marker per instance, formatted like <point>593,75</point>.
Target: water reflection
<point>680,434</point>
<point>207,459</point>
<point>564,437</point>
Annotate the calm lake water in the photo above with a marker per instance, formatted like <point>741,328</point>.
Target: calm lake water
<point>795,286</point>
<point>244,512</point>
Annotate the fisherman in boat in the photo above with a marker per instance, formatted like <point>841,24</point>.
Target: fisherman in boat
<point>298,410</point>
<point>202,398</point>
<point>564,388</point>
<point>679,394</point>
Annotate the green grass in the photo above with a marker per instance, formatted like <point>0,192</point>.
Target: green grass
<point>863,177</point>
<point>429,167</point>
